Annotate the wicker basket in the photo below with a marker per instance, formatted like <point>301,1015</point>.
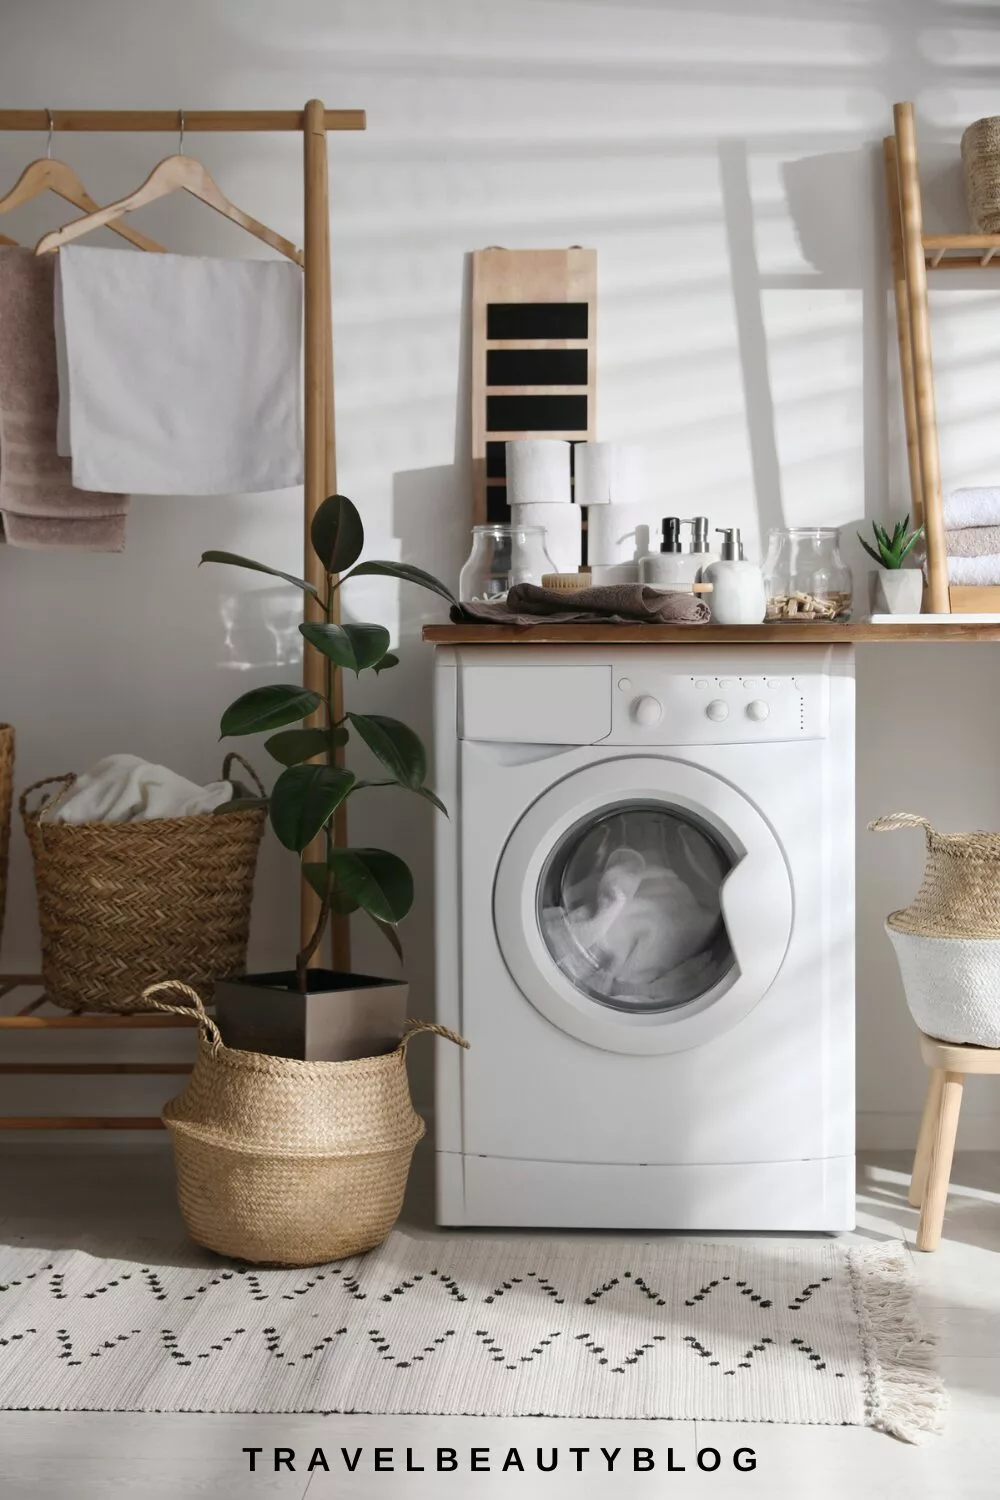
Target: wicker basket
<point>981,167</point>
<point>290,1163</point>
<point>6,798</point>
<point>960,893</point>
<point>123,905</point>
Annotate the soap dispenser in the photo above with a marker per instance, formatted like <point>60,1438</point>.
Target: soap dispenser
<point>669,569</point>
<point>700,545</point>
<point>737,596</point>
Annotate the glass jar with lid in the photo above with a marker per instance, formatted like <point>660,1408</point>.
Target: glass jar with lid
<point>501,556</point>
<point>805,577</point>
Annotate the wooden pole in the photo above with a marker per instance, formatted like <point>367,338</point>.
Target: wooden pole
<point>923,374</point>
<point>903,328</point>
<point>317,315</point>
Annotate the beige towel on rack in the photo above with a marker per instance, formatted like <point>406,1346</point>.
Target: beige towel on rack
<point>39,505</point>
<point>973,541</point>
<point>183,373</point>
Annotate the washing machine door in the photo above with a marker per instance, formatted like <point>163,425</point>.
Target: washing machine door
<point>643,905</point>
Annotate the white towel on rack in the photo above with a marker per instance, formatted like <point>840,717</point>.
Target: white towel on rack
<point>972,507</point>
<point>182,373</point>
<point>977,572</point>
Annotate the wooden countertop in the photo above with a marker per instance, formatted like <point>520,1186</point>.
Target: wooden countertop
<point>817,634</point>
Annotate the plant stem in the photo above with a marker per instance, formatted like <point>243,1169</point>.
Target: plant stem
<point>302,958</point>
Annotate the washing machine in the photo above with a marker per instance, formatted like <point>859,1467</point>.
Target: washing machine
<point>644,927</point>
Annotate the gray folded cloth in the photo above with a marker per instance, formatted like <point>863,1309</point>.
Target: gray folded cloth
<point>622,603</point>
<point>973,541</point>
<point>39,504</point>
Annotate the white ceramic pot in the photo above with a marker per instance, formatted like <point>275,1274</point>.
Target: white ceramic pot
<point>896,591</point>
<point>952,985</point>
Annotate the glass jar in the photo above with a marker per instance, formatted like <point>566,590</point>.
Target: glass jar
<point>805,577</point>
<point>502,556</point>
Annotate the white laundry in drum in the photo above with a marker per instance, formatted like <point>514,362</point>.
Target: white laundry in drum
<point>637,919</point>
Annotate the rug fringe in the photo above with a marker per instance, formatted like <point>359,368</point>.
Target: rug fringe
<point>905,1396</point>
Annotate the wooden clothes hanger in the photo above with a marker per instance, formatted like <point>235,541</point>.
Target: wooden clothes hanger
<point>173,173</point>
<point>46,175</point>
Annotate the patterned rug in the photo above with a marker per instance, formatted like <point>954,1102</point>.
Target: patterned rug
<point>746,1332</point>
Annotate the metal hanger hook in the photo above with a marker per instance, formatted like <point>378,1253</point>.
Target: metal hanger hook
<point>180,142</point>
<point>48,147</point>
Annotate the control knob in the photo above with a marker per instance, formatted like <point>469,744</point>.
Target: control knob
<point>717,710</point>
<point>757,710</point>
<point>647,711</point>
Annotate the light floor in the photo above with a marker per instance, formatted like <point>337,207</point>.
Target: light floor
<point>95,1456</point>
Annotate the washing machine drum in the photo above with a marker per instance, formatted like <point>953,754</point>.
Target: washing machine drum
<point>643,905</point>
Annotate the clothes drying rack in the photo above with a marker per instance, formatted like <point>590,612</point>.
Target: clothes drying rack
<point>320,452</point>
<point>914,253</point>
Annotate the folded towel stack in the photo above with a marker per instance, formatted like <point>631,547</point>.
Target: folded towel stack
<point>972,536</point>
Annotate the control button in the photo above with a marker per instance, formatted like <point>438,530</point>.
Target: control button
<point>757,710</point>
<point>750,683</point>
<point>647,711</point>
<point>774,682</point>
<point>701,682</point>
<point>624,683</point>
<point>725,682</point>
<point>717,710</point>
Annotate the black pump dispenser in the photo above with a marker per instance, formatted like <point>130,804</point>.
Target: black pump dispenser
<point>671,534</point>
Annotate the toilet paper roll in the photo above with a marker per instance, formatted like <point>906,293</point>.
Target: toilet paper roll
<point>538,472</point>
<point>606,473</point>
<point>620,533</point>
<point>563,531</point>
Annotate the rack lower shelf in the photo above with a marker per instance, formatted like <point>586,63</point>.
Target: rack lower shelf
<point>38,1013</point>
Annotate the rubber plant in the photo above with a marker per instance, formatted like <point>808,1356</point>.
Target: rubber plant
<point>311,786</point>
<point>892,550</point>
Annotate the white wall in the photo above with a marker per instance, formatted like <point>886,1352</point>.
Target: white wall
<point>724,159</point>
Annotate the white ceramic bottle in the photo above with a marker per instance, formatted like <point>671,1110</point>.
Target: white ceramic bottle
<point>737,596</point>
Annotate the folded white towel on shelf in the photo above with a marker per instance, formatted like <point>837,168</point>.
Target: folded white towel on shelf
<point>974,571</point>
<point>126,789</point>
<point>182,373</point>
<point>972,507</point>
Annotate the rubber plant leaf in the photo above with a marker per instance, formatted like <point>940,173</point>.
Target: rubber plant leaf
<point>405,571</point>
<point>256,567</point>
<point>337,533</point>
<point>316,873</point>
<point>293,746</point>
<point>395,745</point>
<point>303,800</point>
<point>390,659</point>
<point>380,882</point>
<point>352,646</point>
<point>268,708</point>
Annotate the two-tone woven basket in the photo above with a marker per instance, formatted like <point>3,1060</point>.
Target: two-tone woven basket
<point>124,905</point>
<point>283,1162</point>
<point>6,800</point>
<point>947,941</point>
<point>981,169</point>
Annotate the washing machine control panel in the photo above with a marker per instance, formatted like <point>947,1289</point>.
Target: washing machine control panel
<point>676,709</point>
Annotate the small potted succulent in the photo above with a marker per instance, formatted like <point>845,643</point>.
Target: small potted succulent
<point>315,1012</point>
<point>893,588</point>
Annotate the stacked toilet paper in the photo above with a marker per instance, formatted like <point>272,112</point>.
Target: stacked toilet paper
<point>621,527</point>
<point>538,492</point>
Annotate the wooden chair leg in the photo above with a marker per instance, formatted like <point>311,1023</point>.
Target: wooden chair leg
<point>928,1127</point>
<point>939,1168</point>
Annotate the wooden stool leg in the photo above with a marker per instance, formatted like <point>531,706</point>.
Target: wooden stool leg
<point>939,1168</point>
<point>928,1126</point>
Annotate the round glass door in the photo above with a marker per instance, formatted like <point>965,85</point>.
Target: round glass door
<point>629,906</point>
<point>643,904</point>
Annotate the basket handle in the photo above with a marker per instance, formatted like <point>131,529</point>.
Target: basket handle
<point>227,765</point>
<point>65,782</point>
<point>900,820</point>
<point>414,1028</point>
<point>206,1025</point>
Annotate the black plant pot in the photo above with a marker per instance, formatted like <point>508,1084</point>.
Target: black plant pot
<point>342,1016</point>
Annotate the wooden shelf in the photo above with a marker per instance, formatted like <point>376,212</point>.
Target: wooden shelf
<point>950,252</point>
<point>702,635</point>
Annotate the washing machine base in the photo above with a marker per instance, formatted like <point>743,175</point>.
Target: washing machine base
<point>813,1196</point>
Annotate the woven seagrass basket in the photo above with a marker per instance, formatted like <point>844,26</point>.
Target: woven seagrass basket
<point>981,168</point>
<point>6,799</point>
<point>290,1163</point>
<point>123,905</point>
<point>960,892</point>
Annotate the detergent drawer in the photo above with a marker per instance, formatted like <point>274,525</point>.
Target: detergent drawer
<point>535,705</point>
